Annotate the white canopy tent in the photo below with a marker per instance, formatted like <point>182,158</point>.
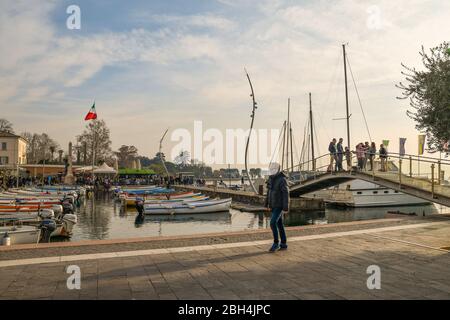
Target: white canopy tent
<point>85,169</point>
<point>105,169</point>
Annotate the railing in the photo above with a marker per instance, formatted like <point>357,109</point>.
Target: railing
<point>433,182</point>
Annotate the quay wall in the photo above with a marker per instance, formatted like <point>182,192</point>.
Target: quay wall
<point>296,204</point>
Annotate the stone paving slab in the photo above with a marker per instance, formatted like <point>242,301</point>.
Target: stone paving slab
<point>320,268</point>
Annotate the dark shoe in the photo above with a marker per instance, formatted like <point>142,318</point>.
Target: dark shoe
<point>274,247</point>
<point>283,246</point>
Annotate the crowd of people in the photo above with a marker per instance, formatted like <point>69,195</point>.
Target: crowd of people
<point>365,154</point>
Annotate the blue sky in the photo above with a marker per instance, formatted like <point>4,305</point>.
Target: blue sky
<point>150,65</point>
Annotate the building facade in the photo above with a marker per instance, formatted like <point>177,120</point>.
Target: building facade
<point>13,150</point>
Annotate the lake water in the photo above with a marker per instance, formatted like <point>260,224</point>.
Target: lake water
<point>104,218</point>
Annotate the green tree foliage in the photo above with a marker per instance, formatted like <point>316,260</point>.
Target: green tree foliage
<point>428,91</point>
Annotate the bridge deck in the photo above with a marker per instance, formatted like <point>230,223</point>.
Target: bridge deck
<point>410,185</point>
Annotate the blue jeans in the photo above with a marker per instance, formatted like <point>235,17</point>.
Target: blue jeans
<point>276,224</point>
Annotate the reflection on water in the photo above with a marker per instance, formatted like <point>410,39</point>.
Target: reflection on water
<point>103,218</point>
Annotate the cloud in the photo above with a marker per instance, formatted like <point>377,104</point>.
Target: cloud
<point>191,66</point>
<point>206,21</point>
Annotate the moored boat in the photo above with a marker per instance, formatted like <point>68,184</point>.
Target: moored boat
<point>21,234</point>
<point>206,206</point>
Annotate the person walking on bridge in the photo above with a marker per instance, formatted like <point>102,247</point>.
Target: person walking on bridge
<point>339,155</point>
<point>383,157</point>
<point>332,150</point>
<point>277,200</point>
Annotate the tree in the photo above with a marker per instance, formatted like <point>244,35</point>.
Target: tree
<point>98,143</point>
<point>125,155</point>
<point>428,91</point>
<point>40,147</point>
<point>6,126</point>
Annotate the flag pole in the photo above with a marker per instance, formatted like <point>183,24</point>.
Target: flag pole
<point>93,155</point>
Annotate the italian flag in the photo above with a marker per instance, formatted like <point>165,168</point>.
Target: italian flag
<point>92,114</point>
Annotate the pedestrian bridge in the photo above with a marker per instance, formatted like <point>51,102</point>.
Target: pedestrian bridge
<point>431,186</point>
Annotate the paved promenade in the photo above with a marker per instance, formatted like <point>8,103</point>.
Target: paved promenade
<point>322,262</point>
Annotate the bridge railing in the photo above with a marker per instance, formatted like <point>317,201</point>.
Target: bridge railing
<point>420,172</point>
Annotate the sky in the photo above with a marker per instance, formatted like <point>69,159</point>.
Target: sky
<point>153,65</point>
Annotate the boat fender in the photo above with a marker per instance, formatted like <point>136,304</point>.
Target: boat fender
<point>6,241</point>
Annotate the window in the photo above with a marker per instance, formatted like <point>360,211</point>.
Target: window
<point>375,192</point>
<point>3,145</point>
<point>359,192</point>
<point>386,192</point>
<point>3,160</point>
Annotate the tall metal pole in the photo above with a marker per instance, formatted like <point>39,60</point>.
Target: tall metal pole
<point>292,150</point>
<point>346,96</point>
<point>288,128</point>
<point>312,133</point>
<point>284,142</point>
<point>93,155</point>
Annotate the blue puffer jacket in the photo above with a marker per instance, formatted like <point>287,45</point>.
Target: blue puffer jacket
<point>277,192</point>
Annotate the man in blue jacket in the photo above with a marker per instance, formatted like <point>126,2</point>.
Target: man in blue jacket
<point>277,200</point>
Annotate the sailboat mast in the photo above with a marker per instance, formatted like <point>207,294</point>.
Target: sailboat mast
<point>312,133</point>
<point>292,150</point>
<point>284,142</point>
<point>346,96</point>
<point>288,128</point>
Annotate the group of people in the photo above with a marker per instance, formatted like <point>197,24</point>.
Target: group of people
<point>365,153</point>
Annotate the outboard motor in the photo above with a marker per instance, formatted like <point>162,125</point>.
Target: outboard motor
<point>67,207</point>
<point>47,226</point>
<point>46,214</point>
<point>69,198</point>
<point>57,209</point>
<point>68,221</point>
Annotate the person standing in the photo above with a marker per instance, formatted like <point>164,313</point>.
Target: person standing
<point>366,147</point>
<point>348,158</point>
<point>383,157</point>
<point>277,200</point>
<point>372,153</point>
<point>339,155</point>
<point>360,155</point>
<point>332,150</point>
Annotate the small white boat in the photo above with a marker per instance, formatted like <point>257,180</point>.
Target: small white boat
<point>205,206</point>
<point>21,234</point>
<point>179,200</point>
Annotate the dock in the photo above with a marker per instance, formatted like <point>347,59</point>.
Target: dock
<point>322,262</point>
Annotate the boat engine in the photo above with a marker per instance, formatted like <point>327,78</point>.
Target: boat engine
<point>69,198</point>
<point>68,221</point>
<point>47,226</point>
<point>46,214</point>
<point>57,208</point>
<point>67,207</point>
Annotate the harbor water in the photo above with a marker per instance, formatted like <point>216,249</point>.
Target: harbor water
<point>105,218</point>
